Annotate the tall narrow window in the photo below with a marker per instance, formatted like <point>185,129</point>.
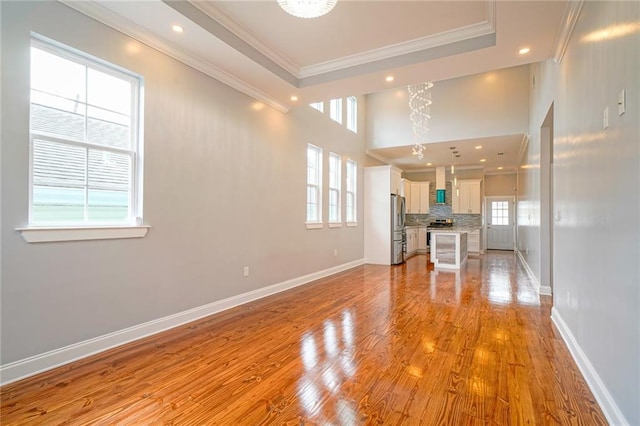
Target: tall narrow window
<point>335,110</point>
<point>317,106</point>
<point>314,184</point>
<point>352,173</point>
<point>352,114</point>
<point>335,165</point>
<point>85,149</point>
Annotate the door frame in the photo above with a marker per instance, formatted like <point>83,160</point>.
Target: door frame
<point>512,211</point>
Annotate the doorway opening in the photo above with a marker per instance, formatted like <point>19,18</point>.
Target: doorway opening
<point>546,204</point>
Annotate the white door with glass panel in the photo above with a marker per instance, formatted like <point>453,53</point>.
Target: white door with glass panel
<point>500,229</point>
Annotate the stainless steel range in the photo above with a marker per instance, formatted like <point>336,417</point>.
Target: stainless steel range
<point>437,224</point>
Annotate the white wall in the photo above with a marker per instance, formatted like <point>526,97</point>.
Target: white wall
<point>596,176</point>
<point>224,187</point>
<point>476,106</point>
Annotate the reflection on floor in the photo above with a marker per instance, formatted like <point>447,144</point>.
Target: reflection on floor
<point>405,344</point>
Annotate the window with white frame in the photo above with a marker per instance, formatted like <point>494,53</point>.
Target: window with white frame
<point>500,213</point>
<point>314,184</point>
<point>319,106</point>
<point>335,165</point>
<point>84,140</point>
<point>352,173</point>
<point>335,110</point>
<point>352,114</point>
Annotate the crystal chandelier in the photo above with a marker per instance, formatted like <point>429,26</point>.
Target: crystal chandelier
<point>307,8</point>
<point>419,105</point>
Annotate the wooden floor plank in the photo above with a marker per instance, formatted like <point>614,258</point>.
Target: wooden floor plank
<point>401,345</point>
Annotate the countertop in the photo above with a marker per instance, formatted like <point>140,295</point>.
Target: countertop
<point>455,229</point>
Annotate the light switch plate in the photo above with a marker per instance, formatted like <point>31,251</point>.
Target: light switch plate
<point>605,118</point>
<point>622,102</point>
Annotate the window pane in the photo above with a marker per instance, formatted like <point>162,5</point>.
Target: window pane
<point>109,92</point>
<point>108,206</point>
<point>109,170</point>
<point>57,116</point>
<point>58,164</point>
<point>58,76</point>
<point>59,205</point>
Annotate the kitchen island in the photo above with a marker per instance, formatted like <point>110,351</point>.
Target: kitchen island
<point>449,247</point>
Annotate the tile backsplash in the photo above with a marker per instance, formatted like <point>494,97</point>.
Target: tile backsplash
<point>443,211</point>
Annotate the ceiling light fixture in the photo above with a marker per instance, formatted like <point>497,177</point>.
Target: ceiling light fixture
<point>307,8</point>
<point>482,160</point>
<point>479,147</point>
<point>500,168</point>
<point>524,50</point>
<point>294,98</point>
<point>177,28</point>
<point>389,78</point>
<point>419,106</point>
<point>429,164</point>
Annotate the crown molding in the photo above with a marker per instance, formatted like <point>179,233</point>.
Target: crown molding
<point>379,157</point>
<point>569,18</point>
<point>103,15</point>
<point>246,35</point>
<point>420,44</point>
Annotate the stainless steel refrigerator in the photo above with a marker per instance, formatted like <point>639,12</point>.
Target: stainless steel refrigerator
<point>398,234</point>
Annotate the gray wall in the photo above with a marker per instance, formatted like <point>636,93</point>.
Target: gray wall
<point>224,187</point>
<point>596,176</point>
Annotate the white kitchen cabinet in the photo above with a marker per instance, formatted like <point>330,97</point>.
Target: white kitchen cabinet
<point>396,181</point>
<point>412,241</point>
<point>418,201</point>
<point>406,192</point>
<point>422,239</point>
<point>468,198</point>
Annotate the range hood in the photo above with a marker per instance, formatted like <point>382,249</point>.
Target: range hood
<point>441,185</point>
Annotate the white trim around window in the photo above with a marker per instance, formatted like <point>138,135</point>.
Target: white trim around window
<point>352,114</point>
<point>351,202</point>
<point>335,110</point>
<point>335,168</point>
<point>314,187</point>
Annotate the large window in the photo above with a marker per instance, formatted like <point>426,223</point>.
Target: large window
<point>84,140</point>
<point>352,114</point>
<point>335,110</point>
<point>335,165</point>
<point>314,184</point>
<point>352,173</point>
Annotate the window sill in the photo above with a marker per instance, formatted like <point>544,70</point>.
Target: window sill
<point>58,233</point>
<point>335,225</point>
<point>352,224</point>
<point>314,225</point>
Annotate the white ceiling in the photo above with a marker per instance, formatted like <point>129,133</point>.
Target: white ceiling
<point>257,48</point>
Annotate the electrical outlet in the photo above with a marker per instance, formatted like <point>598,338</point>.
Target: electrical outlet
<point>246,271</point>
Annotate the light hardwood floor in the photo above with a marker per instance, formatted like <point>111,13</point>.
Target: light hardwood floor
<point>373,345</point>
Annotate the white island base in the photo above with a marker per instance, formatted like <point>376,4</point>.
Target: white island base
<point>448,249</point>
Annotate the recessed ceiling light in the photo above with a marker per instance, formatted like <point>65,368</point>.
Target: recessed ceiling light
<point>294,98</point>
<point>524,50</point>
<point>389,78</point>
<point>429,164</point>
<point>177,28</point>
<point>482,160</point>
<point>500,168</point>
<point>479,147</point>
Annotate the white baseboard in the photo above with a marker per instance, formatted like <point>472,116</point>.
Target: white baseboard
<point>42,362</point>
<point>600,392</point>
<point>544,290</point>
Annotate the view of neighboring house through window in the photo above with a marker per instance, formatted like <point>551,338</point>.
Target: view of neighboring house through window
<point>352,171</point>
<point>314,184</point>
<point>352,114</point>
<point>317,106</point>
<point>335,110</point>
<point>335,164</point>
<point>83,139</point>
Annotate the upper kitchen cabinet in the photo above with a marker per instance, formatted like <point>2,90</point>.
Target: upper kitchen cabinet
<point>396,180</point>
<point>418,201</point>
<point>468,199</point>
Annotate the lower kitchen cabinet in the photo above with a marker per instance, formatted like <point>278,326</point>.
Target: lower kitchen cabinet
<point>473,242</point>
<point>422,239</point>
<point>412,241</point>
